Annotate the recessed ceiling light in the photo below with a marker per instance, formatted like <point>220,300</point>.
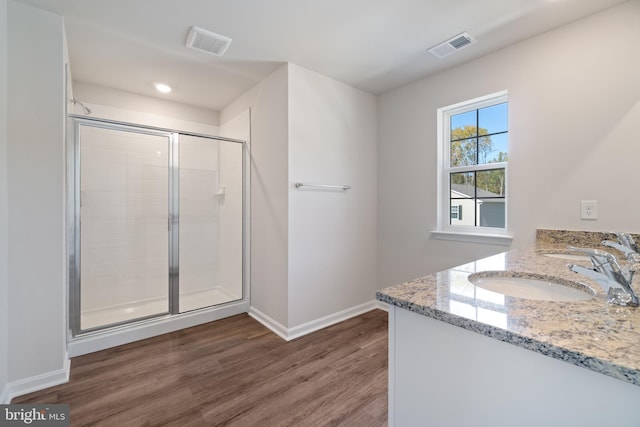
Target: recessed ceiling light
<point>161,87</point>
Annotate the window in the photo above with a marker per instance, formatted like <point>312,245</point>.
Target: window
<point>473,150</point>
<point>456,212</point>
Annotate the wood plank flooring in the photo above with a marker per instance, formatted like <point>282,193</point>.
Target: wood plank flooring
<point>233,372</point>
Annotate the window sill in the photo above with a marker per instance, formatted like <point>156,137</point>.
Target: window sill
<point>489,239</point>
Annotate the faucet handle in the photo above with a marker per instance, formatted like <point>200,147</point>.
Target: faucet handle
<point>626,240</point>
<point>603,262</point>
<point>627,251</point>
<point>597,256</point>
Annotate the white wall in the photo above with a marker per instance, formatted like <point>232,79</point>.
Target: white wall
<point>35,176</point>
<point>268,102</point>
<point>313,253</point>
<point>118,105</point>
<point>332,234</point>
<point>574,107</point>
<point>4,291</point>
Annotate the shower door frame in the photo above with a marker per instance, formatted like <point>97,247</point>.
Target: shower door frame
<point>173,218</point>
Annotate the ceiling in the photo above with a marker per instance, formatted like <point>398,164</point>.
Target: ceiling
<point>374,45</point>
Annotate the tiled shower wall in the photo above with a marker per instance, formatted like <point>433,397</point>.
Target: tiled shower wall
<point>199,214</point>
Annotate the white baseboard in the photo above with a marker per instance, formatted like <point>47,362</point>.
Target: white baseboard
<point>289,334</point>
<point>332,319</point>
<point>37,382</point>
<point>4,395</point>
<point>382,306</point>
<point>273,325</point>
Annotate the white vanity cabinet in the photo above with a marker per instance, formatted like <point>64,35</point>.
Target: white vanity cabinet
<point>443,375</point>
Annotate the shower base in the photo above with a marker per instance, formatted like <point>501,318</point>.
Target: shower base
<point>143,308</point>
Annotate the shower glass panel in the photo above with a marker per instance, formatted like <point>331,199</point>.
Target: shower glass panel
<point>123,220</point>
<point>210,227</point>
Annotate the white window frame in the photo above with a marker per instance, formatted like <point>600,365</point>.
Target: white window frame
<point>445,230</point>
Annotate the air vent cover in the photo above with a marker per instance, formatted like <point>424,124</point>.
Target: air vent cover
<point>447,48</point>
<point>207,41</point>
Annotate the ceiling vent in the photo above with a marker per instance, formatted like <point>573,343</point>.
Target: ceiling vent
<point>452,45</point>
<point>207,41</point>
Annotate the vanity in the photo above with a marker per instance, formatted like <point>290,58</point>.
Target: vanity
<point>463,355</point>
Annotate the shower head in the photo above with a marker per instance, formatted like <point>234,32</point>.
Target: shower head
<point>85,110</point>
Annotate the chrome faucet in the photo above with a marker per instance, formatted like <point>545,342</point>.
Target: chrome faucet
<point>626,245</point>
<point>607,273</point>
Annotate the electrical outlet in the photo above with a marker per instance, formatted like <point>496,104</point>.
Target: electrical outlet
<point>589,209</point>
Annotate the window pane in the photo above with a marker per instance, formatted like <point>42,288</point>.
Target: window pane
<point>491,183</point>
<point>464,122</point>
<point>463,185</point>
<point>464,152</point>
<point>493,149</point>
<point>491,213</point>
<point>493,119</point>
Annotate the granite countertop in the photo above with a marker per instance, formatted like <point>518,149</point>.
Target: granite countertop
<point>591,333</point>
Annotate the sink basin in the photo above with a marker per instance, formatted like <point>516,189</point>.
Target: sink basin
<point>570,257</point>
<point>531,286</point>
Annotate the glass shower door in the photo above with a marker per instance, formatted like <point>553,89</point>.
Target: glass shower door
<point>211,222</point>
<point>123,220</point>
<point>156,224</point>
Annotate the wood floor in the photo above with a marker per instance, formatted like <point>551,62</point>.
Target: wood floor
<point>233,372</point>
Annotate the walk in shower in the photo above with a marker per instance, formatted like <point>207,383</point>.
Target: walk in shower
<point>156,223</point>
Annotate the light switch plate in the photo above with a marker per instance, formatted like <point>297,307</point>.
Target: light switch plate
<point>589,209</point>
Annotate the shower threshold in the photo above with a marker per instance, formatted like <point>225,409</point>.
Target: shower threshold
<point>189,301</point>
